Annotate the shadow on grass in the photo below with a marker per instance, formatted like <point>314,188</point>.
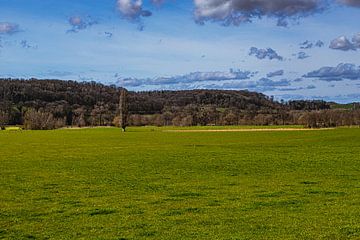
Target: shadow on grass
<point>101,212</point>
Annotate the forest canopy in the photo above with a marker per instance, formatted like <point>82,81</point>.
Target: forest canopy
<point>49,104</point>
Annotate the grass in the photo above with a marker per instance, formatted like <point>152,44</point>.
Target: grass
<point>166,128</point>
<point>342,106</point>
<point>13,129</point>
<point>104,184</point>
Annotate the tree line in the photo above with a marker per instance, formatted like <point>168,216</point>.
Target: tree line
<point>50,104</point>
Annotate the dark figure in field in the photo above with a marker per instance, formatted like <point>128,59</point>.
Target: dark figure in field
<point>123,109</point>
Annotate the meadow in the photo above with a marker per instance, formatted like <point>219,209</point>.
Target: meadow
<point>153,184</point>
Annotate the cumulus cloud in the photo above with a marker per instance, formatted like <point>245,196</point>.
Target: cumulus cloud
<point>188,78</point>
<point>302,55</point>
<point>8,28</point>
<point>132,9</point>
<point>342,43</point>
<point>108,34</point>
<point>235,12</point>
<point>276,73</point>
<point>307,44</point>
<point>340,72</point>
<point>356,40</point>
<point>78,23</point>
<point>25,44</point>
<point>319,44</point>
<point>265,53</point>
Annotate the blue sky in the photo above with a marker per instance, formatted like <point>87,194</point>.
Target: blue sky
<point>173,44</point>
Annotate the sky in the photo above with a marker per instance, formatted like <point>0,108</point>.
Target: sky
<point>289,49</point>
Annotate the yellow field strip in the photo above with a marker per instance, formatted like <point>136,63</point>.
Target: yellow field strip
<point>251,130</point>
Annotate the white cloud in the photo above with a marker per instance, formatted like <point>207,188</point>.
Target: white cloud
<point>132,9</point>
<point>8,28</point>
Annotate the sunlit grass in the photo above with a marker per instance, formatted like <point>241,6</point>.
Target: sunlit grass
<point>151,184</point>
<point>13,129</point>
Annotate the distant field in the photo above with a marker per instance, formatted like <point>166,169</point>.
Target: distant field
<point>151,184</point>
<point>151,128</point>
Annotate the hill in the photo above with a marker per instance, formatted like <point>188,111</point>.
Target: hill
<point>89,103</point>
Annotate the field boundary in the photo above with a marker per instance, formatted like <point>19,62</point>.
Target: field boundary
<point>249,130</point>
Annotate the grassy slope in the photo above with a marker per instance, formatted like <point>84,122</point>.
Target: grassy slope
<point>103,184</point>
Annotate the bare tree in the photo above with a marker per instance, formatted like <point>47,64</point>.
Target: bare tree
<point>123,109</point>
<point>39,120</point>
<point>79,117</point>
<point>3,119</point>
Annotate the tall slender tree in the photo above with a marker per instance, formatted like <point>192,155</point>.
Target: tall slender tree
<point>123,109</point>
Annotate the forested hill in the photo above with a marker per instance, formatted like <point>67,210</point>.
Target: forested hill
<point>90,103</point>
<point>39,93</point>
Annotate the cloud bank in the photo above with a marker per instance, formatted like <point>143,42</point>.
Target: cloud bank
<point>352,3</point>
<point>188,78</point>
<point>233,79</point>
<point>341,72</point>
<point>235,12</point>
<point>263,85</point>
<point>276,73</point>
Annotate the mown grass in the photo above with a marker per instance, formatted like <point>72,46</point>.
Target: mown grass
<point>167,128</point>
<point>104,184</point>
<point>13,129</point>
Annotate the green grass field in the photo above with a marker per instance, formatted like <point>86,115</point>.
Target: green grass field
<point>149,184</point>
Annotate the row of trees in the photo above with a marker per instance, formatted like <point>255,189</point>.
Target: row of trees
<point>49,104</point>
<point>38,119</point>
<point>313,119</point>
